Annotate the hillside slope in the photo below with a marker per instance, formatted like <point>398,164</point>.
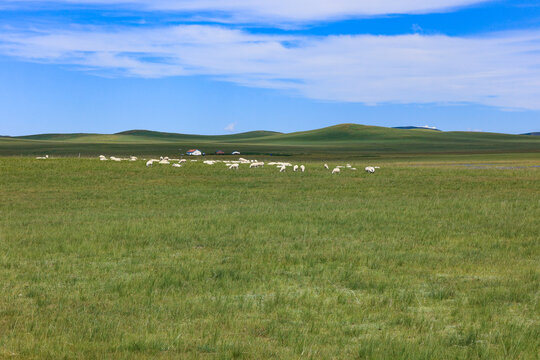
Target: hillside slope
<point>343,138</point>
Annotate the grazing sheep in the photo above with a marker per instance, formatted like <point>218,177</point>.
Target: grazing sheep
<point>164,162</point>
<point>150,162</point>
<point>234,166</point>
<point>370,169</point>
<point>133,158</point>
<point>336,170</point>
<point>302,168</point>
<point>282,168</point>
<point>295,168</point>
<point>43,157</point>
<point>176,165</point>
<point>326,166</point>
<point>182,161</point>
<point>113,158</point>
<point>103,158</point>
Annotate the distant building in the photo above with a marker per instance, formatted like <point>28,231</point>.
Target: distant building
<point>194,152</point>
<point>220,152</point>
<point>236,152</point>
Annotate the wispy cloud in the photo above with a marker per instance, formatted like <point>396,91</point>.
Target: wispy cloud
<point>265,10</point>
<point>417,28</point>
<point>500,69</point>
<point>231,127</point>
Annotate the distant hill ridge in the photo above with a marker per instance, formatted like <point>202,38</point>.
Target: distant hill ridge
<point>345,138</point>
<point>337,134</point>
<point>249,134</point>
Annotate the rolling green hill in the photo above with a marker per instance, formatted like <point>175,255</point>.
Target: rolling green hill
<point>358,140</point>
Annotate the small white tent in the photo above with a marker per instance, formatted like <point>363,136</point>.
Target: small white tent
<point>194,152</point>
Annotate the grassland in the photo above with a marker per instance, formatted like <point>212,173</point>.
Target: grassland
<point>347,140</point>
<point>426,259</point>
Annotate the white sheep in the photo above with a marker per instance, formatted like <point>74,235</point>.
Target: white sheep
<point>113,158</point>
<point>282,168</point>
<point>326,166</point>
<point>176,165</point>
<point>336,170</point>
<point>234,166</point>
<point>43,157</point>
<point>370,169</point>
<point>150,162</point>
<point>302,168</point>
<point>182,161</point>
<point>164,162</point>
<point>295,168</point>
<point>133,158</point>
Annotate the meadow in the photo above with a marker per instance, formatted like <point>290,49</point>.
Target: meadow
<point>344,141</point>
<point>434,257</point>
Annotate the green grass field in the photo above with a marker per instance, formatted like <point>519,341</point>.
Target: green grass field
<point>428,258</point>
<point>351,141</point>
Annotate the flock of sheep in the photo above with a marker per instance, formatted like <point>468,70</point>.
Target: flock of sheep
<point>231,164</point>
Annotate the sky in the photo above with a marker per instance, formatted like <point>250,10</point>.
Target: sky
<point>227,66</point>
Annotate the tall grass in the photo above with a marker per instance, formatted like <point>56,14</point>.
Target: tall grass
<point>115,260</point>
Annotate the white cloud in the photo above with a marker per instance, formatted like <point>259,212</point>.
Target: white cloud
<point>270,10</point>
<point>231,127</point>
<point>416,28</point>
<point>500,69</point>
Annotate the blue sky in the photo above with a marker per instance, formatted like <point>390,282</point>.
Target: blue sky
<point>218,66</point>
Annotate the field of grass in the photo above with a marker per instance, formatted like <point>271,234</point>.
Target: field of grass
<point>347,140</point>
<point>425,259</point>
